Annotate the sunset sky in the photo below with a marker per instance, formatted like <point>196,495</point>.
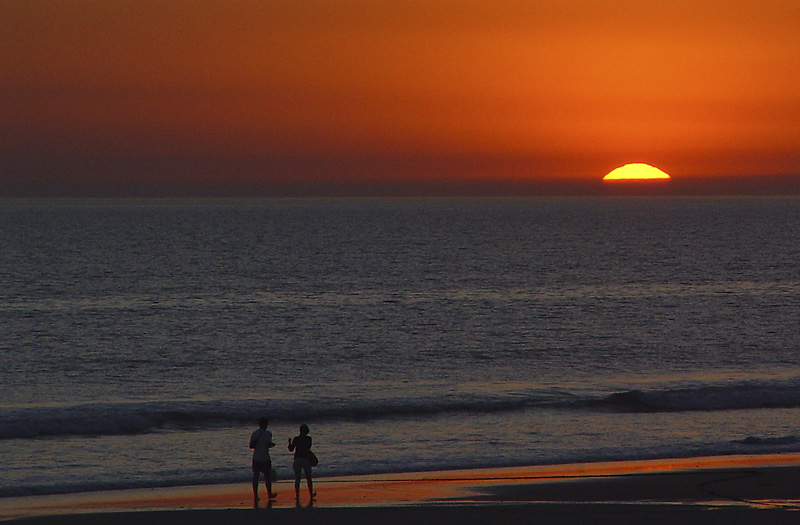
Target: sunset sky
<point>365,97</point>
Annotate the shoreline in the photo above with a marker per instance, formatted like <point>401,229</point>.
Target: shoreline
<point>738,484</point>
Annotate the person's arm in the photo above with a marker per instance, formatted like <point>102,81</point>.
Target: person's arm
<point>254,440</point>
<point>291,445</point>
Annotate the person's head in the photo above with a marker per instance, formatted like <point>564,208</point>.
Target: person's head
<point>304,429</point>
<point>263,422</point>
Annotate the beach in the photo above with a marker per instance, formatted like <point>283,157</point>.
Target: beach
<point>720,489</point>
<point>486,360</point>
<point>484,333</point>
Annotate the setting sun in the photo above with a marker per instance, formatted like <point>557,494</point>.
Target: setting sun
<point>636,171</point>
<point>358,99</point>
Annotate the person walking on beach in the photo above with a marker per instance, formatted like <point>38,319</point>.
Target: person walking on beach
<point>261,442</point>
<point>301,445</point>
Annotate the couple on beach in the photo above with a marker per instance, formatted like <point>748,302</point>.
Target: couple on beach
<point>304,459</point>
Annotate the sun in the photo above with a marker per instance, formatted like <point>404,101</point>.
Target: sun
<point>636,171</point>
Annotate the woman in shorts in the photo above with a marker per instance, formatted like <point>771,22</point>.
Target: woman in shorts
<point>301,445</point>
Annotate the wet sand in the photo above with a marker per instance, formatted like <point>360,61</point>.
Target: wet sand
<point>725,489</point>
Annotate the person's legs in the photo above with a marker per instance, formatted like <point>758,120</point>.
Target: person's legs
<point>310,483</point>
<point>268,481</point>
<point>255,483</point>
<point>297,471</point>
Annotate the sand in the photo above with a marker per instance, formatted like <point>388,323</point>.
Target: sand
<point>724,489</point>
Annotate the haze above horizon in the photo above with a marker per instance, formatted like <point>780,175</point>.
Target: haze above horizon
<point>333,98</point>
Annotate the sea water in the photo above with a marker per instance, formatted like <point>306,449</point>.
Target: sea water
<point>140,341</point>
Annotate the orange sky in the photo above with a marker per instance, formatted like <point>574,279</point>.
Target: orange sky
<point>169,97</point>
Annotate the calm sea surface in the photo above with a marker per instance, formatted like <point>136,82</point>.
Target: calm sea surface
<point>140,341</point>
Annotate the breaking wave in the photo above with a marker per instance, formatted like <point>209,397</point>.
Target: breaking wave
<point>129,418</point>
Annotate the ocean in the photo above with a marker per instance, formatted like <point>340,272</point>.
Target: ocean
<point>141,340</point>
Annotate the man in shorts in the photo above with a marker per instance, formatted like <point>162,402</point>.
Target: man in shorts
<point>261,442</point>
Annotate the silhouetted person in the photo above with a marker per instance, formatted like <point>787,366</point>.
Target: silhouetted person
<point>261,442</point>
<point>301,445</point>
